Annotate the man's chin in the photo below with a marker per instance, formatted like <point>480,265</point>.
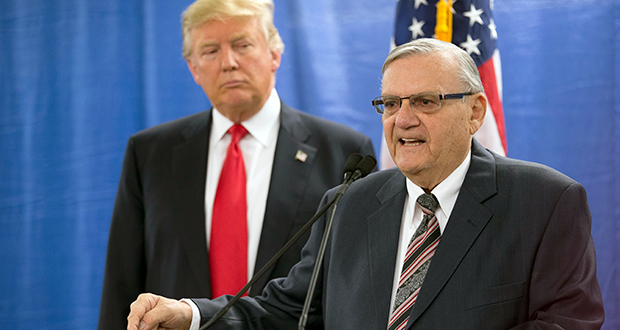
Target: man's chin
<point>240,97</point>
<point>236,100</point>
<point>410,166</point>
<point>409,157</point>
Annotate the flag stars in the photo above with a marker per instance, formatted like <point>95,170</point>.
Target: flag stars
<point>417,3</point>
<point>474,15</point>
<point>416,28</point>
<point>471,46</point>
<point>493,29</point>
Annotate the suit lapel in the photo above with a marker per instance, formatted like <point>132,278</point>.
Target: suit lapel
<point>467,220</point>
<point>383,227</point>
<point>285,193</point>
<point>189,163</point>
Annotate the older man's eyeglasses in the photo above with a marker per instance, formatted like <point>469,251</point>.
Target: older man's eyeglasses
<point>422,102</point>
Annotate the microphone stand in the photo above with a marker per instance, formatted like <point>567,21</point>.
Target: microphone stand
<point>317,266</point>
<point>270,263</point>
<point>363,168</point>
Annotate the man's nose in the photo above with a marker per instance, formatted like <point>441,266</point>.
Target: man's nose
<point>229,59</point>
<point>407,116</point>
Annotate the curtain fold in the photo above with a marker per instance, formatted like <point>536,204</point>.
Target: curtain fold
<point>77,78</point>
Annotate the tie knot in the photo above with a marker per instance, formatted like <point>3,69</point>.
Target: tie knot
<point>237,131</point>
<point>428,203</point>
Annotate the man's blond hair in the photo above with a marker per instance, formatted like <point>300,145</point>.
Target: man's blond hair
<point>203,11</point>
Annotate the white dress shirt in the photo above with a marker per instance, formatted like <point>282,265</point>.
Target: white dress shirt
<point>446,192</point>
<point>258,148</point>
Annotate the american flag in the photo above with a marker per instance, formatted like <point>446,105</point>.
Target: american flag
<point>470,25</point>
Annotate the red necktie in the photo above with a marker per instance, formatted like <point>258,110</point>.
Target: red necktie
<point>228,250</point>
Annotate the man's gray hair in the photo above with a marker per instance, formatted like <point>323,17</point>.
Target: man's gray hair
<point>468,75</point>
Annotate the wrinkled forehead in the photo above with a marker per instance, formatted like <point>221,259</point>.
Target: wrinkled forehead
<point>433,72</point>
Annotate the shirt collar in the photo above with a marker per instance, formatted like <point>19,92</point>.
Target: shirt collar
<point>446,192</point>
<point>260,126</point>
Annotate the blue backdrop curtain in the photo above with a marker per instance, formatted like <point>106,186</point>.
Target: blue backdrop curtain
<point>77,78</point>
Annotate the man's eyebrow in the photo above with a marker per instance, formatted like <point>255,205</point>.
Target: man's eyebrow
<point>233,39</point>
<point>205,44</point>
<point>239,36</point>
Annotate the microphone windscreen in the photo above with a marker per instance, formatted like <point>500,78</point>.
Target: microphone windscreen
<point>367,164</point>
<point>351,164</point>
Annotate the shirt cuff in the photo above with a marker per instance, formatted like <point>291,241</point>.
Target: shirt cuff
<point>195,314</point>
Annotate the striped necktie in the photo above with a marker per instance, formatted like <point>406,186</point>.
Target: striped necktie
<point>420,250</point>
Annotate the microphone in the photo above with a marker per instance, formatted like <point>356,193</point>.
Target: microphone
<point>351,167</point>
<point>362,169</point>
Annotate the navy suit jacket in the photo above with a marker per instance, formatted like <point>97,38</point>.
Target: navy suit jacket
<point>516,253</point>
<point>157,236</point>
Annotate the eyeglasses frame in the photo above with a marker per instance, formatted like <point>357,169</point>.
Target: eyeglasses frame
<point>376,100</point>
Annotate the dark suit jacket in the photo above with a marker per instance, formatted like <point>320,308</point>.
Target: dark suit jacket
<point>157,236</point>
<point>516,253</point>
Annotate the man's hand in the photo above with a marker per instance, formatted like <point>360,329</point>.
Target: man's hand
<point>155,312</point>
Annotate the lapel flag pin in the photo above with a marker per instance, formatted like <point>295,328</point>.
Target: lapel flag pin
<point>301,156</point>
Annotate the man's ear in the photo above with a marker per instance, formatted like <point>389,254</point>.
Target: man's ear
<point>192,68</point>
<point>276,58</point>
<point>478,111</point>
